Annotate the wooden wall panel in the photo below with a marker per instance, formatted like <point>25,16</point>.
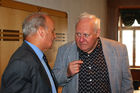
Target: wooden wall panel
<point>11,18</point>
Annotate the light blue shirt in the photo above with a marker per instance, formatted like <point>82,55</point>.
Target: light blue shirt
<point>39,53</point>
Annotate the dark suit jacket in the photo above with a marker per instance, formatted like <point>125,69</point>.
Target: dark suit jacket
<point>25,73</point>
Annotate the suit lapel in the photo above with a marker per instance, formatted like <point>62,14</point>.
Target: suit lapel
<point>72,56</point>
<point>110,59</point>
<point>73,53</point>
<point>52,74</point>
<point>44,75</point>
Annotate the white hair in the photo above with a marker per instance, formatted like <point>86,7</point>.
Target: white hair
<point>96,20</point>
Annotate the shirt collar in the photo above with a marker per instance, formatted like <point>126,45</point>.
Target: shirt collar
<point>38,52</point>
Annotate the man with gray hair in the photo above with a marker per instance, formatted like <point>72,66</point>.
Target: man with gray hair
<point>28,70</point>
<point>92,64</point>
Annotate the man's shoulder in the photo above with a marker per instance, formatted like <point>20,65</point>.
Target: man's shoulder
<point>23,53</point>
<point>111,42</point>
<point>69,45</point>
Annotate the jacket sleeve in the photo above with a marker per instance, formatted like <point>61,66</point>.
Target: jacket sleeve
<point>16,78</point>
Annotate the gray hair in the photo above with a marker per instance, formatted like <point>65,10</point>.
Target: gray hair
<point>96,20</point>
<point>33,22</point>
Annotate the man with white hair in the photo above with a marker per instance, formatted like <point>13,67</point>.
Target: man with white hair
<point>92,64</point>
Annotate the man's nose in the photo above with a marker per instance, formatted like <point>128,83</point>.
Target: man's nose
<point>54,36</point>
<point>81,39</point>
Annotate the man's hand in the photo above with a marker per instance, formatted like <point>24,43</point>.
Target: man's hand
<point>74,67</point>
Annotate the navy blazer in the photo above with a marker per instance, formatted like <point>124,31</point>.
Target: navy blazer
<point>25,73</point>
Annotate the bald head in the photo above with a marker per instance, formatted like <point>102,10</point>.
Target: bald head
<point>33,22</point>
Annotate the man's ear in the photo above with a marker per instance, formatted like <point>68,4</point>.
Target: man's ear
<point>40,32</point>
<point>98,32</point>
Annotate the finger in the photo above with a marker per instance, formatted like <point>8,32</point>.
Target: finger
<point>76,70</point>
<point>77,62</point>
<point>77,65</point>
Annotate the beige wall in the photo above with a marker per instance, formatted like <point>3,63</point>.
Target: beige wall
<point>74,8</point>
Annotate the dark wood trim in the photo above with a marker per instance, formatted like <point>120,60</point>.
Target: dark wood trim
<point>113,14</point>
<point>128,28</point>
<point>31,8</point>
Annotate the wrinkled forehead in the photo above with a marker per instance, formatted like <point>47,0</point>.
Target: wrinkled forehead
<point>49,22</point>
<point>85,22</point>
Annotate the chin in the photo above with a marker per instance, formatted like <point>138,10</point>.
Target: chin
<point>83,49</point>
<point>50,47</point>
<point>45,50</point>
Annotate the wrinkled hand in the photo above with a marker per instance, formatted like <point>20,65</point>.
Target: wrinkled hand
<point>73,67</point>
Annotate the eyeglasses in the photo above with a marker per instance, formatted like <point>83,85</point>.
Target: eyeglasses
<point>85,35</point>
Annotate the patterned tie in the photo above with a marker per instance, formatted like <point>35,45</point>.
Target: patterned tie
<point>46,61</point>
